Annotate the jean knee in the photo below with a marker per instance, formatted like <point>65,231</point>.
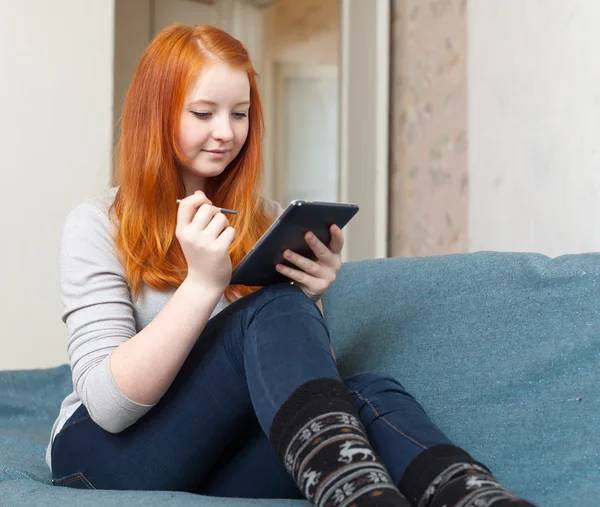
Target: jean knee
<point>278,295</point>
<point>228,328</point>
<point>276,290</point>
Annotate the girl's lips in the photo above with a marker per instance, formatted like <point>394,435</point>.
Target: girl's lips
<point>216,153</point>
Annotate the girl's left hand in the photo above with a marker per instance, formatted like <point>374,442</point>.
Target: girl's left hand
<point>315,277</point>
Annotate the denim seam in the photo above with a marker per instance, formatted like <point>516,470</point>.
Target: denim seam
<point>231,353</point>
<point>75,422</point>
<point>260,377</point>
<point>391,425</point>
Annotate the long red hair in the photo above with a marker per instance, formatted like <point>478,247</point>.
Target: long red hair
<point>148,159</point>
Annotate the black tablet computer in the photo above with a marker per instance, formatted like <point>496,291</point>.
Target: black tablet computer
<point>257,268</point>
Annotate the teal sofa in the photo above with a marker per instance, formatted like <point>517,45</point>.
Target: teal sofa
<point>502,349</point>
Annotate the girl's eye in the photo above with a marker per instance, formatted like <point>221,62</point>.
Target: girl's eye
<point>202,116</point>
<point>239,116</point>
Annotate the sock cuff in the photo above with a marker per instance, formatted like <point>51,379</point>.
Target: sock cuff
<point>429,465</point>
<point>308,401</point>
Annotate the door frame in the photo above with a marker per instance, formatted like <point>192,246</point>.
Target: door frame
<point>364,124</point>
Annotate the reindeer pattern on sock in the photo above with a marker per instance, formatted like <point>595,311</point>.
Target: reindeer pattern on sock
<point>348,450</point>
<point>310,478</point>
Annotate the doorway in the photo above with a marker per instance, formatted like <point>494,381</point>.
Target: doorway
<point>307,137</point>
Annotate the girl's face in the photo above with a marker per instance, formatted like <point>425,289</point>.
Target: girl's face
<point>214,123</point>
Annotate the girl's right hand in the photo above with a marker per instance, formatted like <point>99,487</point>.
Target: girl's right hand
<point>205,237</point>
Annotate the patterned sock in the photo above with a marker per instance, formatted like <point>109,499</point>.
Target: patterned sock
<point>447,476</point>
<point>323,445</point>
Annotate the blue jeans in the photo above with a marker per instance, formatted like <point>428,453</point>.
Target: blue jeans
<point>208,434</point>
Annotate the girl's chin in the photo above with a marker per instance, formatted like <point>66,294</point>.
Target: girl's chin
<point>202,171</point>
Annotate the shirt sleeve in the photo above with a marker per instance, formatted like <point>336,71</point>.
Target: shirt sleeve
<point>98,312</point>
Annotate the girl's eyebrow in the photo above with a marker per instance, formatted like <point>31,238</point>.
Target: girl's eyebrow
<point>211,103</point>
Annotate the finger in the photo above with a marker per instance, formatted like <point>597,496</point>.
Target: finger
<point>321,251</point>
<point>204,215</point>
<point>227,237</point>
<point>313,284</point>
<point>307,265</point>
<point>188,207</point>
<point>337,239</point>
<point>217,225</point>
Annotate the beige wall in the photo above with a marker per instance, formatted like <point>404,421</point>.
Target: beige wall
<point>494,126</point>
<point>133,30</point>
<point>534,121</point>
<point>56,62</point>
<point>428,128</point>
